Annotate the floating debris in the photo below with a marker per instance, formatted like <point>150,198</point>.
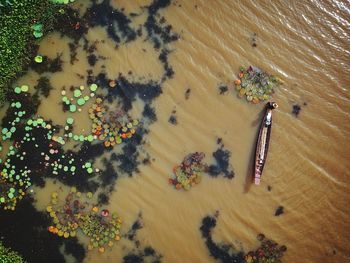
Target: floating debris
<point>254,39</point>
<point>296,110</point>
<point>78,214</point>
<point>187,93</point>
<point>255,84</point>
<point>222,89</point>
<point>189,172</point>
<point>279,211</point>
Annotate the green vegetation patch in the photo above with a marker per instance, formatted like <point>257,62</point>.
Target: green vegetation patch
<point>9,256</point>
<point>19,26</point>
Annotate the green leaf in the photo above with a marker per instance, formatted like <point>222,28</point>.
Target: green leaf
<point>38,59</point>
<point>38,34</point>
<point>37,27</point>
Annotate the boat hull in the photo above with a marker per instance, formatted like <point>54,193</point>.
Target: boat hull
<point>263,142</point>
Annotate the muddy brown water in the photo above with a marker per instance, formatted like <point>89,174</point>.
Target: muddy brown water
<point>306,43</point>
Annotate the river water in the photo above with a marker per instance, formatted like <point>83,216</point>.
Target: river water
<point>306,43</point>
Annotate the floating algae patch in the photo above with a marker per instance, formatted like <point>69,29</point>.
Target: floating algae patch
<point>148,254</point>
<point>70,24</point>
<point>268,251</point>
<point>157,29</point>
<point>139,252</point>
<point>255,84</point>
<point>30,225</point>
<point>222,166</point>
<point>43,87</point>
<point>149,113</point>
<point>127,161</point>
<point>47,64</point>
<point>137,225</point>
<point>189,172</point>
<point>32,134</point>
<point>116,22</point>
<point>77,214</point>
<point>7,255</point>
<point>222,253</point>
<point>127,91</point>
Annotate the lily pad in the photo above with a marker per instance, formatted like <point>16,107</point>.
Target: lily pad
<point>38,34</point>
<point>38,59</point>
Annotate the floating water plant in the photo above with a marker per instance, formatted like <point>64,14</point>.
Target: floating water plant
<point>268,251</point>
<point>9,256</point>
<point>111,127</point>
<point>65,2</point>
<point>256,84</point>
<point>78,98</point>
<point>78,214</point>
<point>189,172</point>
<point>37,30</point>
<point>15,179</point>
<point>38,59</point>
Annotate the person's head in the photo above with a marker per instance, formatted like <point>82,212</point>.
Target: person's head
<point>272,105</point>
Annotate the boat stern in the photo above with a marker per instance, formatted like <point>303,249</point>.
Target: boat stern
<point>257,180</point>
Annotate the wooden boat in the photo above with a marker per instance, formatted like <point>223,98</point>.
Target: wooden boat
<point>262,144</point>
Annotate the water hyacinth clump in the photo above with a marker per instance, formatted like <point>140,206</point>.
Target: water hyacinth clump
<point>102,229</point>
<point>189,172</point>
<point>268,251</point>
<point>256,84</point>
<point>79,214</point>
<point>111,127</point>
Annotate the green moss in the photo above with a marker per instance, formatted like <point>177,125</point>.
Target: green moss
<point>9,256</point>
<point>16,35</point>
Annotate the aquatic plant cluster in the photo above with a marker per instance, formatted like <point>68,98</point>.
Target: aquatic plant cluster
<point>189,172</point>
<point>44,140</point>
<point>21,23</point>
<point>111,127</point>
<point>30,134</point>
<point>16,178</point>
<point>77,213</point>
<point>268,251</point>
<point>256,84</point>
<point>9,256</point>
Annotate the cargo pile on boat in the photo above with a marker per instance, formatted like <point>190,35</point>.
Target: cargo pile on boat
<point>255,84</point>
<point>189,172</point>
<point>77,213</point>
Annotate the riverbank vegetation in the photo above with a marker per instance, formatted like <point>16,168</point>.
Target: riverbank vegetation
<point>22,24</point>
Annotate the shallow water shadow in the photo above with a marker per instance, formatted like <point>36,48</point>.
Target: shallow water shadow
<point>250,172</point>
